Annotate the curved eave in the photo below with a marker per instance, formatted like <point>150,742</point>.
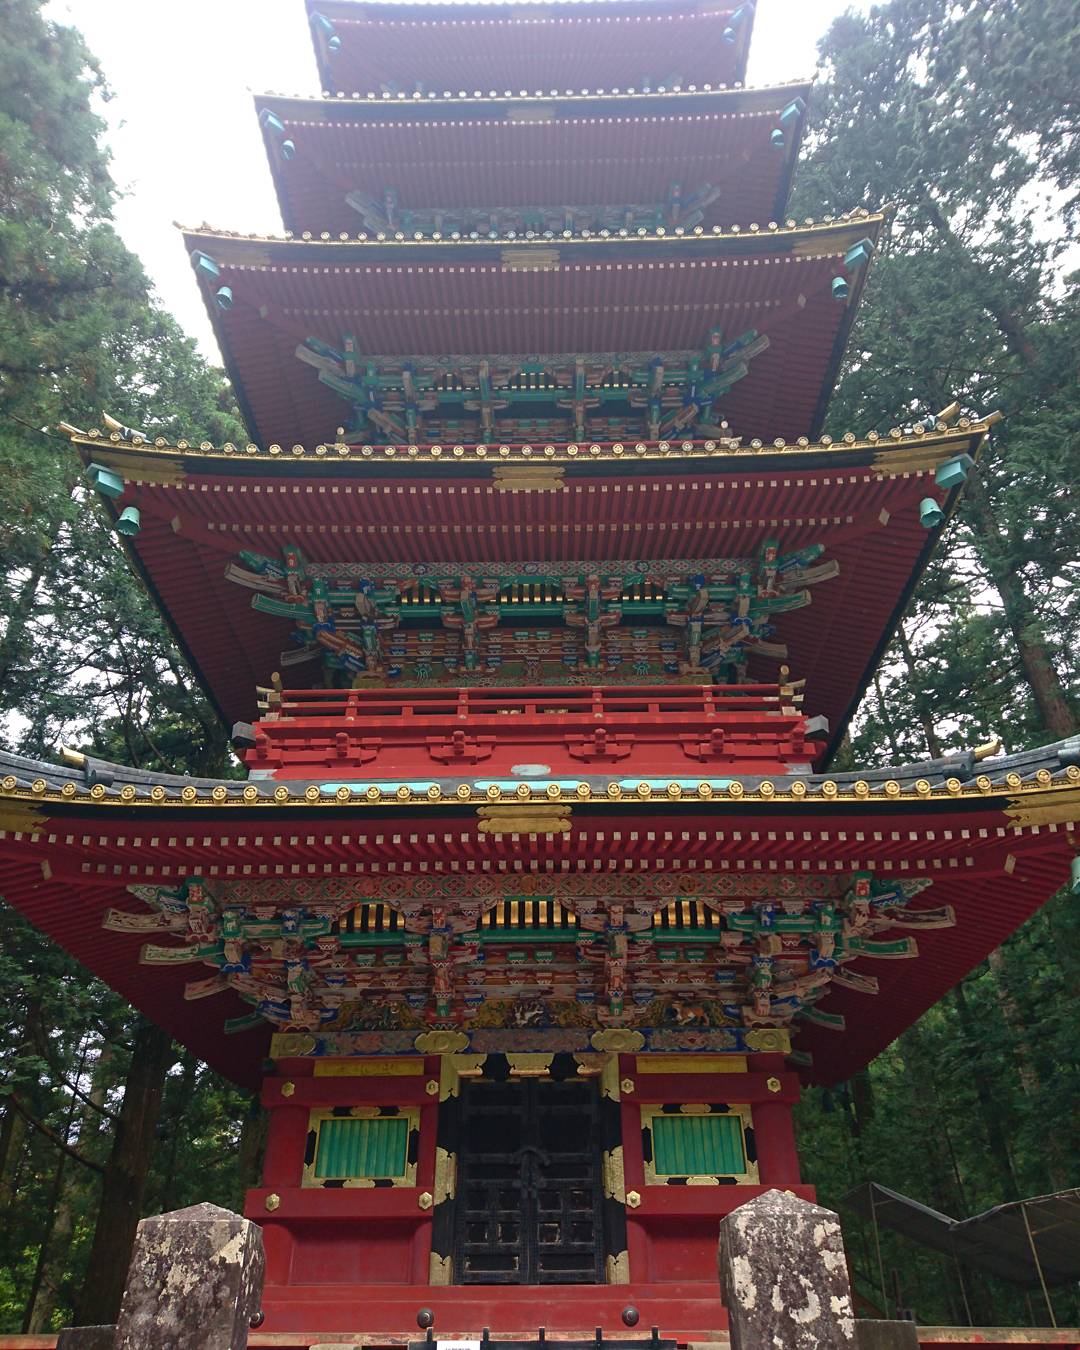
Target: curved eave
<point>993,850</point>
<point>810,239</point>
<point>859,499</point>
<point>601,148</point>
<point>892,453</point>
<point>728,99</point>
<point>429,298</point>
<point>361,26</point>
<point>1034,787</point>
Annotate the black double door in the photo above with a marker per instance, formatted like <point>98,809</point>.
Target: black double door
<point>529,1184</point>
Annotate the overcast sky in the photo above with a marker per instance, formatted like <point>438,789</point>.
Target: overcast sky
<point>183,132</point>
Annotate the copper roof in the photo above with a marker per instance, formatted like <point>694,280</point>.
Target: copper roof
<point>542,151</point>
<point>385,505</point>
<point>647,292</point>
<point>618,42</point>
<point>992,839</point>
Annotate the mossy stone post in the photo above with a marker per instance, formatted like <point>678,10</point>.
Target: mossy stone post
<point>884,1335</point>
<point>784,1277</point>
<point>194,1283</point>
<point>86,1338</point>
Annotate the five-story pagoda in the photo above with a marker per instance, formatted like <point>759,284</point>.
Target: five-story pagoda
<point>538,602</point>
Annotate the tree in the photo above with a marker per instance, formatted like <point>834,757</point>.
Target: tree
<point>84,657</point>
<point>951,113</point>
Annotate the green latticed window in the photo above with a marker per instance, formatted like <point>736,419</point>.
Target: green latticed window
<point>698,1145</point>
<point>698,1141</point>
<point>365,1148</point>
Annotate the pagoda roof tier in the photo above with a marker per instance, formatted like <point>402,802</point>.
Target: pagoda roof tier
<point>551,160</point>
<point>567,43</point>
<point>191,896</point>
<point>645,518</point>
<point>623,334</point>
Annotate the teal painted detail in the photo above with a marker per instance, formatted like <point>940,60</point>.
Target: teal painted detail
<point>271,122</point>
<point>205,265</point>
<point>953,473</point>
<point>677,935</point>
<point>357,1149</point>
<point>128,521</point>
<point>930,513</point>
<point>698,1146</point>
<point>107,481</point>
<point>528,935</point>
<point>859,254</point>
<point>384,939</point>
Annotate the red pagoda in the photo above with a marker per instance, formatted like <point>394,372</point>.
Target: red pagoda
<point>538,602</point>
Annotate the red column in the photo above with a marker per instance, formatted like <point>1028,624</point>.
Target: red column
<point>286,1140</point>
<point>774,1129</point>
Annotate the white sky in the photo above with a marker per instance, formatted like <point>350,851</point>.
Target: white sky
<point>183,132</point>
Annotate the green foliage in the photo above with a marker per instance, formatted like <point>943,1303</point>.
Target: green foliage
<point>84,656</point>
<point>957,114</point>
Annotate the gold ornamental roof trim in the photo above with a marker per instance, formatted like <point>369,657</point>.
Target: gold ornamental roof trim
<point>1039,798</point>
<point>765,94</point>
<point>894,451</point>
<point>811,231</point>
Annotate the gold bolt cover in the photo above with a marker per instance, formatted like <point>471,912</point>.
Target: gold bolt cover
<point>272,1201</point>
<point>626,1086</point>
<point>425,1200</point>
<point>287,1089</point>
<point>431,1087</point>
<point>633,1199</point>
<point>773,1084</point>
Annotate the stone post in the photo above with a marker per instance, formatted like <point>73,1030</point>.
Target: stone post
<point>86,1338</point>
<point>884,1335</point>
<point>784,1278</point>
<point>194,1283</point>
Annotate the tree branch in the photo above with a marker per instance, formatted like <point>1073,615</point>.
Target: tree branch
<point>51,1135</point>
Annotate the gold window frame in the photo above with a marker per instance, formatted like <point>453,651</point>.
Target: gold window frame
<point>748,1177</point>
<point>412,1145</point>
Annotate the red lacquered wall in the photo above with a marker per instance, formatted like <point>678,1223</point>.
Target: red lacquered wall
<point>326,1245</point>
<point>352,1234</point>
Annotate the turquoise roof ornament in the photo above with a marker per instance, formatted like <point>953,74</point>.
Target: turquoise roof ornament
<point>930,513</point>
<point>204,265</point>
<point>324,26</point>
<point>730,34</point>
<point>107,481</point>
<point>269,121</point>
<point>858,255</point>
<point>130,522</point>
<point>953,473</point>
